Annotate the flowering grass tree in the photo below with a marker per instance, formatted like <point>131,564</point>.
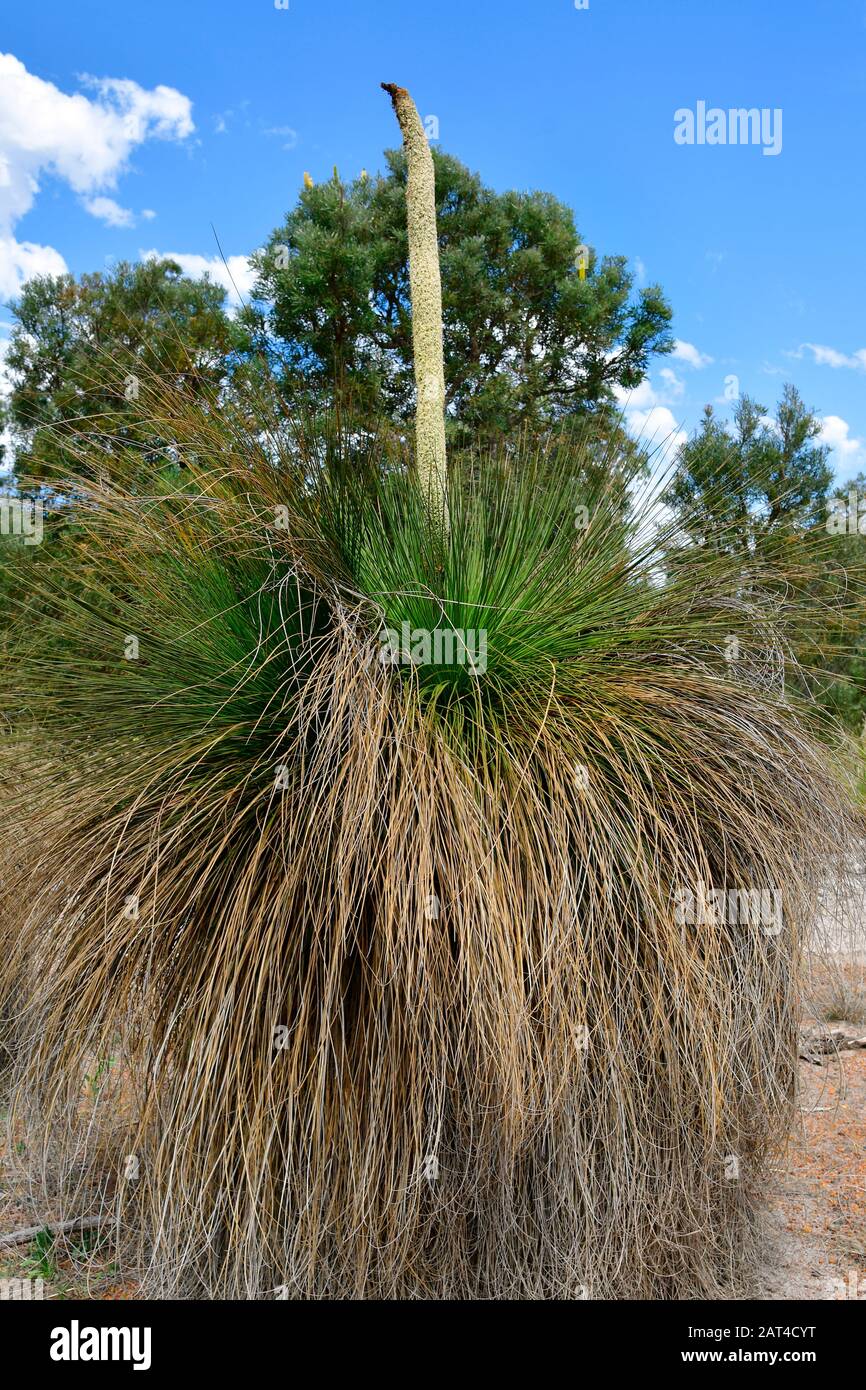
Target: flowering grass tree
<point>394,971</point>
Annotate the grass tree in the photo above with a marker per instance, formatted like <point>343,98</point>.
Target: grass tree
<point>421,977</point>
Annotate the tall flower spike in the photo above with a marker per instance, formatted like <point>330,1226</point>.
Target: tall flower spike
<point>425,286</point>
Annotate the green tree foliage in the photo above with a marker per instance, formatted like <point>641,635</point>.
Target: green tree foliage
<point>747,488</point>
<point>79,347</point>
<point>844,688</point>
<point>527,341</point>
<point>760,491</point>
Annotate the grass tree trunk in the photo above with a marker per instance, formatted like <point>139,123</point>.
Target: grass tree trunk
<point>426,290</point>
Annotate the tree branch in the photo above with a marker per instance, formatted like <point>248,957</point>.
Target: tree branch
<point>55,1228</point>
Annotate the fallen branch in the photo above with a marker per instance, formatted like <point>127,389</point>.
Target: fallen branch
<point>54,1228</point>
<point>826,1044</point>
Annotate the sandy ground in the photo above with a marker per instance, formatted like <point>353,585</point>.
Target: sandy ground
<point>815,1243</point>
<point>816,1219</point>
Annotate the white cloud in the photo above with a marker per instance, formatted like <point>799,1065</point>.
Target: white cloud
<point>642,397</point>
<point>235,274</point>
<point>688,353</point>
<point>836,433</point>
<point>658,428</point>
<point>84,140</point>
<point>148,214</point>
<point>647,414</point>
<point>108,211</point>
<point>645,396</point>
<point>640,270</point>
<point>20,260</point>
<point>831,357</point>
<point>131,114</point>
<point>286,134</point>
<point>222,120</point>
<point>675,387</point>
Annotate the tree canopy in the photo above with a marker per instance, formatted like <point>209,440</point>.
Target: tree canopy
<point>78,348</point>
<point>743,488</point>
<point>528,340</point>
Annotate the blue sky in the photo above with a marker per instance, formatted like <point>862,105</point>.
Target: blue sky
<point>131,128</point>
